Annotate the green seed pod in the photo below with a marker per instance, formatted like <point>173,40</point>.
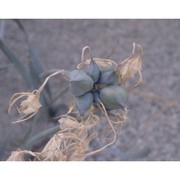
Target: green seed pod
<point>84,102</point>
<point>113,97</point>
<point>80,82</point>
<point>92,70</point>
<point>108,75</point>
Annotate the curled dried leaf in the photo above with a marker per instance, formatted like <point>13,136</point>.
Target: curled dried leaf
<point>28,107</point>
<point>131,66</point>
<point>18,155</point>
<point>51,151</point>
<point>64,147</point>
<point>72,142</point>
<point>102,63</point>
<point>68,122</point>
<point>98,61</point>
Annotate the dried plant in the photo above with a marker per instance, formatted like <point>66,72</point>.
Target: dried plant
<point>19,154</point>
<point>97,111</point>
<point>130,67</point>
<point>28,107</point>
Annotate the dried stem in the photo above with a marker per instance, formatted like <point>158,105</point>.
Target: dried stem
<point>83,52</point>
<point>46,80</point>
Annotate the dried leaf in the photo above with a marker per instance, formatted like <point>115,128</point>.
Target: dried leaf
<point>18,155</point>
<point>28,107</point>
<point>131,66</point>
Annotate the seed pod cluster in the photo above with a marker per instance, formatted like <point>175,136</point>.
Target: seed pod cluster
<point>91,83</point>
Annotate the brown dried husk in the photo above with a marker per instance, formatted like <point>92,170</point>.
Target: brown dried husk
<point>19,154</point>
<point>130,67</point>
<point>72,142</point>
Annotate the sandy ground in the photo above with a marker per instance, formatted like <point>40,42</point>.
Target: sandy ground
<point>59,43</point>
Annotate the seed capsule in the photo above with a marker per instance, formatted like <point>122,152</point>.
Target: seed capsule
<point>84,102</point>
<point>113,97</point>
<point>80,82</point>
<point>108,75</point>
<point>92,70</point>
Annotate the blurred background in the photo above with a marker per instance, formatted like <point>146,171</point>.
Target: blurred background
<point>31,47</point>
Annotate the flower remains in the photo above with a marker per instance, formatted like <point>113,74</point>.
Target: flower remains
<point>97,111</point>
